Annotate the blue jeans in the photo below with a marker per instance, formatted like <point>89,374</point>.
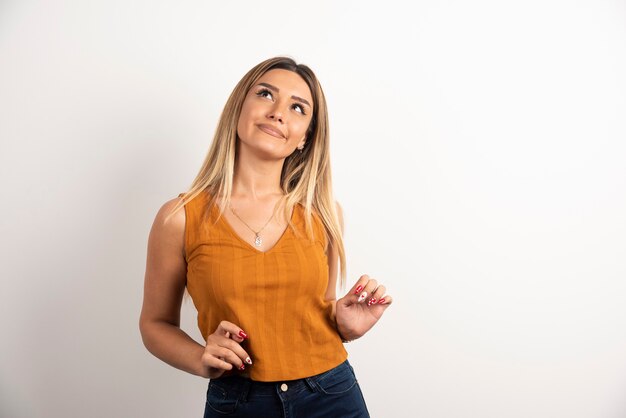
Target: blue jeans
<point>334,393</point>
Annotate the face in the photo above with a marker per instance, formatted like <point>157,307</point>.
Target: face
<point>276,114</point>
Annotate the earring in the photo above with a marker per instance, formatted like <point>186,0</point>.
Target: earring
<point>302,147</point>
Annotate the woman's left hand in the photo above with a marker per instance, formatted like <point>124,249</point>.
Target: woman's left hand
<point>361,308</point>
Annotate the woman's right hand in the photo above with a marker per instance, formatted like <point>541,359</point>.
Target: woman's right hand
<point>223,350</point>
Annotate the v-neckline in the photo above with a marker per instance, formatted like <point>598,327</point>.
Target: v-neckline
<point>234,233</point>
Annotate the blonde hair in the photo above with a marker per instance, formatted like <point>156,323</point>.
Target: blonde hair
<point>305,177</point>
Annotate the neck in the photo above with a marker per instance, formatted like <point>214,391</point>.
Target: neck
<point>257,179</point>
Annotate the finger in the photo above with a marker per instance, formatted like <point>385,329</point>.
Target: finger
<point>242,355</point>
<point>376,295</point>
<point>228,329</point>
<point>370,288</point>
<point>211,358</point>
<point>358,293</point>
<point>359,285</point>
<point>385,300</point>
<point>234,337</point>
<point>222,358</point>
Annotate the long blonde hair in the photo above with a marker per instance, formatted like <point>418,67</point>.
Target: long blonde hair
<point>305,177</point>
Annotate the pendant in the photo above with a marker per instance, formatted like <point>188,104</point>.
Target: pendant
<point>257,241</point>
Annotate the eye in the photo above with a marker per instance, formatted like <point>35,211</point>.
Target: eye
<point>263,93</point>
<point>299,107</point>
<point>266,93</point>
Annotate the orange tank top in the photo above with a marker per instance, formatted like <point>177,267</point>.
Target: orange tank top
<point>276,297</point>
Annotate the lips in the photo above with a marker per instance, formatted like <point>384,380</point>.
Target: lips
<point>268,129</point>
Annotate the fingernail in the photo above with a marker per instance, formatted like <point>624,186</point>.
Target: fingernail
<point>371,301</point>
<point>362,297</point>
<point>243,334</point>
<point>358,289</point>
<point>248,360</point>
<point>242,367</point>
<point>382,301</point>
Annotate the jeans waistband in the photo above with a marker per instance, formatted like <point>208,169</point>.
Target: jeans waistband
<point>258,388</point>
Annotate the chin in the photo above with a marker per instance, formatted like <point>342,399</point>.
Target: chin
<point>267,150</point>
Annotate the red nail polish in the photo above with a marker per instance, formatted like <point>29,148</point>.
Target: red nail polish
<point>243,334</point>
<point>358,289</point>
<point>381,301</point>
<point>242,367</point>
<point>371,302</point>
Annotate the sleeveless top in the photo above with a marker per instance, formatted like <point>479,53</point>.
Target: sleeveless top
<point>276,297</point>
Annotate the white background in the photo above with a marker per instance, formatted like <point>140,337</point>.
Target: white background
<point>478,151</point>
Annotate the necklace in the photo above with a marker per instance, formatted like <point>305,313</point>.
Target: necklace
<point>257,238</point>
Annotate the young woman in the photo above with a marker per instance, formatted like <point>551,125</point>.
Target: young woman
<point>258,246</point>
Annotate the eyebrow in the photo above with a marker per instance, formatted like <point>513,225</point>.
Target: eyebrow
<point>300,99</point>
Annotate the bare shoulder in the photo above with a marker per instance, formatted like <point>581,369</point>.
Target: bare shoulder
<point>177,220</point>
<point>169,230</point>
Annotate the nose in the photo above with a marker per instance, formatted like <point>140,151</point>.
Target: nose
<point>276,114</point>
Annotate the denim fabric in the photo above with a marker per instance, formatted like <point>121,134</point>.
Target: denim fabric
<point>334,393</point>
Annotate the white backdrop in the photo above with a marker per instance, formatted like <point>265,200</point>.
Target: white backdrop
<point>478,151</point>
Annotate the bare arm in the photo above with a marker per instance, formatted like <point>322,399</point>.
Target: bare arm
<point>164,285</point>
